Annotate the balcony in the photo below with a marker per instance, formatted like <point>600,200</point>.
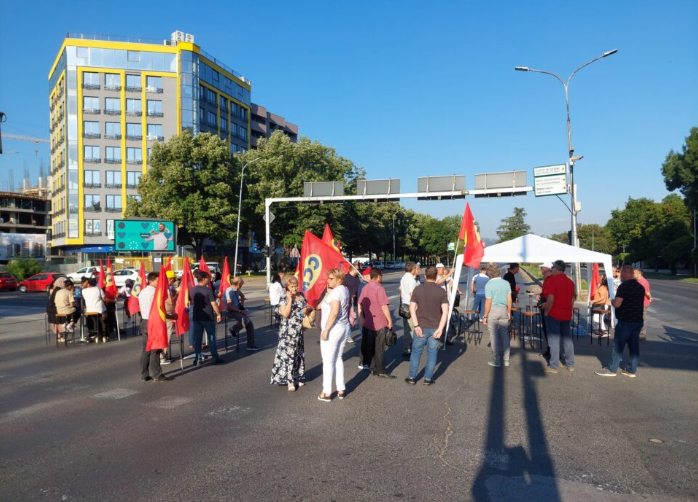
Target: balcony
<point>93,233</point>
<point>93,160</point>
<point>112,161</point>
<point>155,114</point>
<point>134,137</point>
<point>112,185</point>
<point>133,89</point>
<point>91,135</point>
<point>93,209</point>
<point>134,113</point>
<point>112,111</point>
<point>131,185</point>
<point>152,137</point>
<point>134,161</point>
<point>156,90</point>
<point>112,136</point>
<point>92,87</point>
<point>113,210</point>
<point>92,185</point>
<point>91,111</point>
<point>112,87</point>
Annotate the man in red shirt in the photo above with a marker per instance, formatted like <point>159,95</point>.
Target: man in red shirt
<point>559,294</point>
<point>640,277</point>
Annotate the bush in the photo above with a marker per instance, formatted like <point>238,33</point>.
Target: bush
<point>24,268</point>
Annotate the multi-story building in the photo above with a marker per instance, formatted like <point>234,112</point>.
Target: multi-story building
<point>264,123</point>
<point>24,223</point>
<point>111,100</point>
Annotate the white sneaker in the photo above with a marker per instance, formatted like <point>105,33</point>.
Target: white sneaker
<point>350,339</point>
<point>364,367</point>
<point>165,361</point>
<point>69,327</point>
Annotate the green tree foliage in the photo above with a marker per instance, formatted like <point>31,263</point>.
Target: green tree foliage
<point>191,182</point>
<point>514,226</point>
<point>591,236</point>
<point>680,170</point>
<point>23,268</point>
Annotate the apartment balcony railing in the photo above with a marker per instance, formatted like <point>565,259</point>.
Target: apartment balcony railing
<point>134,113</point>
<point>93,209</point>
<point>113,210</point>
<point>112,161</point>
<point>157,90</point>
<point>92,87</point>
<point>91,135</point>
<point>91,111</point>
<point>134,137</point>
<point>112,185</point>
<point>155,114</point>
<point>112,111</point>
<point>134,161</point>
<point>133,88</point>
<point>112,136</point>
<point>112,87</point>
<point>92,185</point>
<point>152,137</point>
<point>93,233</point>
<point>93,160</point>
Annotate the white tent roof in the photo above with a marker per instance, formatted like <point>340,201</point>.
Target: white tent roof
<point>535,249</point>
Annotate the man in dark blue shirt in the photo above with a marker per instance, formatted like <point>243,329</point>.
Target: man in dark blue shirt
<point>205,316</point>
<point>629,305</point>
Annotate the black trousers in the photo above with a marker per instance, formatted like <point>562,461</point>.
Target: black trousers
<point>150,360</point>
<point>374,352</point>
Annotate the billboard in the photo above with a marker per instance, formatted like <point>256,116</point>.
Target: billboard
<point>142,235</point>
<point>22,246</point>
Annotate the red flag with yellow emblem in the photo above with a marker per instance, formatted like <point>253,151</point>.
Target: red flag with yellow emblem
<point>328,238</point>
<point>182,304</point>
<point>134,305</point>
<point>316,259</point>
<point>109,284</point>
<point>157,320</point>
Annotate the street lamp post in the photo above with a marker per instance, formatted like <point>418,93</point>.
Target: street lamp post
<point>237,234</point>
<point>394,258</point>
<point>571,158</point>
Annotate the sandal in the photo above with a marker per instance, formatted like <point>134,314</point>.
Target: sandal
<point>324,398</point>
<point>291,388</point>
<point>341,395</point>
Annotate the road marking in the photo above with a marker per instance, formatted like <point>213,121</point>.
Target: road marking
<point>230,411</point>
<point>116,394</point>
<point>168,403</point>
<point>29,410</point>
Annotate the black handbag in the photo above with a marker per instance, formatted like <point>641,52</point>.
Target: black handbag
<point>404,311</point>
<point>390,338</point>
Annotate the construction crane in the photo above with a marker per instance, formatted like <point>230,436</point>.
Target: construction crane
<point>25,138</point>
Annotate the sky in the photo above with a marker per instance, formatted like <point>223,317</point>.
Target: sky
<point>409,89</point>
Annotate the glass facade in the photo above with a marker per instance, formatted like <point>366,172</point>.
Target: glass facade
<point>123,59</point>
<point>189,90</point>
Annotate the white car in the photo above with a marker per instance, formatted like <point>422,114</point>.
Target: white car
<point>76,277</point>
<point>120,276</point>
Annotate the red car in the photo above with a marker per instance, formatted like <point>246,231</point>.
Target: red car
<point>7,281</point>
<point>39,282</point>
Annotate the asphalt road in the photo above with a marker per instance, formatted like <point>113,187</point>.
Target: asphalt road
<point>77,424</point>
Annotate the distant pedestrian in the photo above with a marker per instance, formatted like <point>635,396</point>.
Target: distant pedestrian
<point>206,315</point>
<point>630,314</point>
<point>478,289</point>
<point>510,277</point>
<point>289,363</point>
<point>335,324</point>
<point>407,285</point>
<point>377,320</point>
<point>616,278</point>
<point>640,277</point>
<point>276,291</point>
<point>429,312</point>
<point>497,314</point>
<point>559,295</point>
<point>352,281</point>
<point>237,311</point>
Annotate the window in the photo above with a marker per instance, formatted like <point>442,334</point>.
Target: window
<point>112,130</point>
<point>242,149</point>
<point>93,228</point>
<point>113,181</point>
<point>224,124</point>
<point>211,119</point>
<point>134,197</point>
<point>92,203</point>
<point>134,156</point>
<point>112,155</point>
<point>153,84</point>
<point>155,132</point>
<point>110,229</point>
<point>202,116</point>
<point>243,113</point>
<point>154,108</point>
<point>133,56</point>
<point>90,80</point>
<point>224,103</point>
<point>243,132</point>
<point>113,203</point>
<point>233,128</point>
<point>233,109</point>
<point>91,153</point>
<point>91,129</point>
<point>202,92</point>
<point>133,107</point>
<point>112,81</point>
<point>150,150</point>
<point>132,179</point>
<point>92,179</point>
<point>133,83</point>
<point>90,104</point>
<point>112,106</point>
<point>134,131</point>
<point>233,148</point>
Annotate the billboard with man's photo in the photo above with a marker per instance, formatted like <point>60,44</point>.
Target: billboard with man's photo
<point>144,235</point>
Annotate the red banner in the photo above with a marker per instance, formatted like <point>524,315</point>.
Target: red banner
<point>133,305</point>
<point>182,304</point>
<point>328,238</point>
<point>474,248</point>
<point>225,284</point>
<point>595,281</point>
<point>316,259</point>
<point>109,284</point>
<point>101,278</point>
<point>157,320</point>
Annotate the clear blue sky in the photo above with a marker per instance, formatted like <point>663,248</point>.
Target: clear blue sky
<point>407,88</point>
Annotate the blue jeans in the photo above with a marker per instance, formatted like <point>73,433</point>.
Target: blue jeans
<point>479,304</point>
<point>559,330</point>
<point>626,332</point>
<point>198,331</point>
<point>432,351</point>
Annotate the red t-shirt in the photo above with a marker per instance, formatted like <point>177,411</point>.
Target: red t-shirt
<point>645,285</point>
<point>562,289</point>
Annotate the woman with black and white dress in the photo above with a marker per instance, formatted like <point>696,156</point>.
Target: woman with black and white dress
<point>289,362</point>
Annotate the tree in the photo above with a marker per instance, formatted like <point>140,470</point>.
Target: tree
<point>22,268</point>
<point>514,226</point>
<point>190,182</point>
<point>680,170</point>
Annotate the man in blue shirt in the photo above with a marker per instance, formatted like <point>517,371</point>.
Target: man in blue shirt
<point>238,312</point>
<point>478,289</point>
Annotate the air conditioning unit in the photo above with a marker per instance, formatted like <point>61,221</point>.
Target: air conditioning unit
<point>189,38</point>
<point>177,36</point>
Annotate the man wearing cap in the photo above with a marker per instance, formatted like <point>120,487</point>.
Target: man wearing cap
<point>559,295</point>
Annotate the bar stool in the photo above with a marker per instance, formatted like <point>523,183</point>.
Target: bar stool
<point>529,321</point>
<point>93,322</point>
<point>474,332</point>
<point>575,325</point>
<point>512,323</point>
<point>599,331</point>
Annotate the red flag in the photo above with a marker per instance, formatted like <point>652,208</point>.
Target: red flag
<point>204,268</point>
<point>461,233</point>
<point>328,238</point>
<point>157,320</point>
<point>595,280</point>
<point>316,259</point>
<point>134,305</point>
<point>101,279</point>
<point>474,248</point>
<point>109,284</point>
<point>225,284</point>
<point>182,304</point>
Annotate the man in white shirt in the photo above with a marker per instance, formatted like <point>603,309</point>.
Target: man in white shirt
<point>150,360</point>
<point>160,238</point>
<point>407,285</point>
<point>93,301</point>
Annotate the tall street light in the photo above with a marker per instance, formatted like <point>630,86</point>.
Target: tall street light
<point>237,235</point>
<point>571,158</point>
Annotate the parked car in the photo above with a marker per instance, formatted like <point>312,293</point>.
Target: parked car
<point>39,282</point>
<point>122,275</point>
<point>76,277</point>
<point>7,281</point>
<point>378,264</point>
<point>400,265</point>
<point>213,268</point>
<point>389,265</point>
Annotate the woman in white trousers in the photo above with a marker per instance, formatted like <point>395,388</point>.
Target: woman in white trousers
<point>335,328</point>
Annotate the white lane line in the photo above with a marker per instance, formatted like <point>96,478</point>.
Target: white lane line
<point>29,410</point>
<point>168,403</point>
<point>231,411</point>
<point>116,394</point>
